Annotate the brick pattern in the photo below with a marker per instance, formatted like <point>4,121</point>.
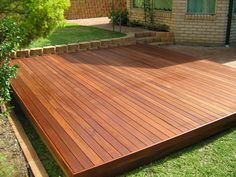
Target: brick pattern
<point>90,8</point>
<point>233,30</point>
<point>82,46</point>
<point>163,37</point>
<point>205,30</point>
<point>201,30</point>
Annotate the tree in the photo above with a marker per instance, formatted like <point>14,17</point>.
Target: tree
<point>9,39</point>
<point>22,21</point>
<point>37,18</point>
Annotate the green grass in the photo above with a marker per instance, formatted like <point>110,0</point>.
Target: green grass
<point>7,167</point>
<point>72,33</point>
<point>45,156</point>
<point>215,156</point>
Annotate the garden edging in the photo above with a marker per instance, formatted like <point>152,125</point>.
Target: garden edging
<point>29,152</point>
<point>147,37</point>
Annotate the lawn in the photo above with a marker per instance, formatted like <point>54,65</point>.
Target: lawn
<point>215,156</point>
<point>72,33</point>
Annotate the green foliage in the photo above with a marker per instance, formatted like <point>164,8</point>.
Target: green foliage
<point>37,18</point>
<point>149,16</point>
<point>153,27</point>
<point>49,163</point>
<point>135,23</point>
<point>149,13</point>
<point>159,27</point>
<point>10,39</point>
<point>117,16</point>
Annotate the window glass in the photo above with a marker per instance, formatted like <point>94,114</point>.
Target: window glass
<point>234,6</point>
<point>138,3</point>
<point>163,5</point>
<point>201,6</point>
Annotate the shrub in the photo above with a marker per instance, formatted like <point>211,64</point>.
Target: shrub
<point>153,27</point>
<point>10,38</point>
<point>158,27</point>
<point>37,18</point>
<point>135,23</point>
<point>115,15</point>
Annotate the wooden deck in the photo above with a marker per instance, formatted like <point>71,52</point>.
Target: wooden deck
<point>106,111</point>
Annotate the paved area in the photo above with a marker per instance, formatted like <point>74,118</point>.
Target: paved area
<point>223,55</point>
<point>104,23</point>
<point>226,56</point>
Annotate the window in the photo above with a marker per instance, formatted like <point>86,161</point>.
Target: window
<point>201,6</point>
<point>162,5</point>
<point>138,3</point>
<point>234,6</point>
<point>157,4</point>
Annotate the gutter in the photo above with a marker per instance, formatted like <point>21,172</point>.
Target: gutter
<point>228,30</point>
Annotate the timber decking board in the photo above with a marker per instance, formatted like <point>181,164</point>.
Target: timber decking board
<point>105,111</point>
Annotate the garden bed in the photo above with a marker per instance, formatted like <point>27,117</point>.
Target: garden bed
<point>12,161</point>
<point>47,160</point>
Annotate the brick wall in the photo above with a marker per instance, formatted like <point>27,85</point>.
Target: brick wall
<point>233,30</point>
<point>90,8</point>
<point>200,29</point>
<point>192,29</point>
<point>137,14</point>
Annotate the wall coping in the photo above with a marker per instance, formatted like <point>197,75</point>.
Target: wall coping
<point>130,39</point>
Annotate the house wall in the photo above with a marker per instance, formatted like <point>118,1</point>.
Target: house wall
<point>200,29</point>
<point>233,30</point>
<point>192,29</point>
<point>90,8</point>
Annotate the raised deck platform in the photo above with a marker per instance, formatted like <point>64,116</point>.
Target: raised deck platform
<point>106,111</point>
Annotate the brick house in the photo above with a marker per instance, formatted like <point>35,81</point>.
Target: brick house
<point>194,22</point>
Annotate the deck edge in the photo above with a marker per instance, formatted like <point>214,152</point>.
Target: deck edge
<point>154,152</point>
<point>65,167</point>
<point>29,152</point>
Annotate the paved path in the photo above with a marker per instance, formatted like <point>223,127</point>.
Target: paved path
<point>223,55</point>
<point>103,22</point>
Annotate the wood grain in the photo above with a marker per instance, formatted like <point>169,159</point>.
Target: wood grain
<point>106,111</point>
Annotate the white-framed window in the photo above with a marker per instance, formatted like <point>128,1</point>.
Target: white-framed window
<point>165,5</point>
<point>207,7</point>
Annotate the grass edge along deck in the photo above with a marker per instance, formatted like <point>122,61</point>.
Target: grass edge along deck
<point>141,156</point>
